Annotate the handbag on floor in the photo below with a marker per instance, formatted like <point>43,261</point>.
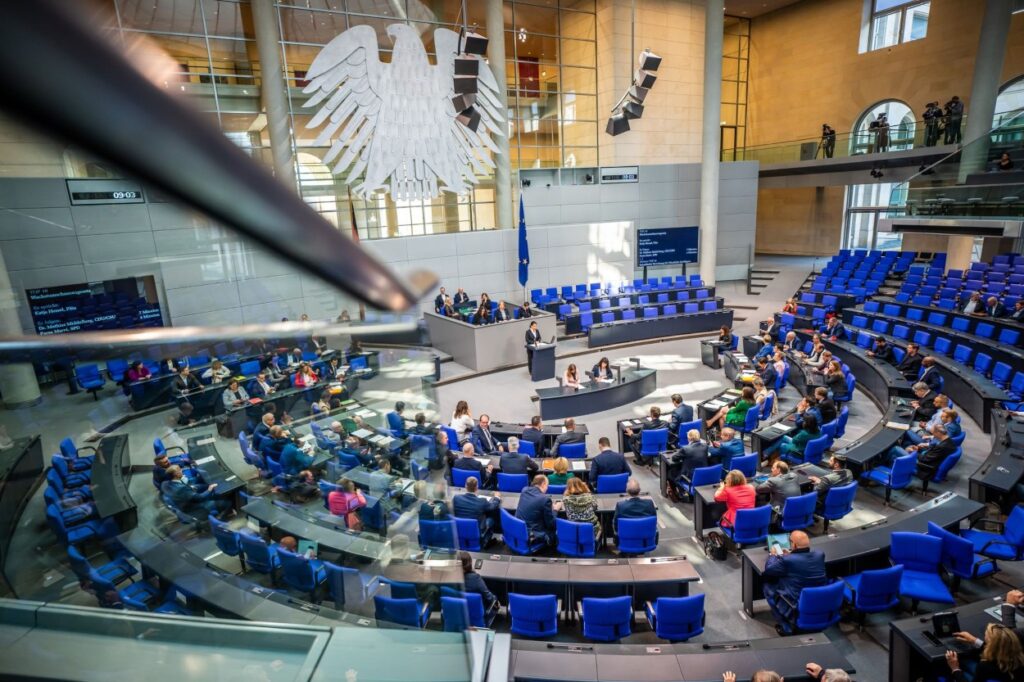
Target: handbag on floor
<point>714,546</point>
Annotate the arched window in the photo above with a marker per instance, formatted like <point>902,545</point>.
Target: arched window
<point>868,138</point>
<point>1009,101</point>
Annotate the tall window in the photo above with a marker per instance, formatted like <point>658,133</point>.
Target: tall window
<point>897,21</point>
<point>865,204</point>
<point>897,133</point>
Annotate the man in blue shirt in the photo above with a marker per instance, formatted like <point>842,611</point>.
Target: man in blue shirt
<point>787,573</point>
<point>536,510</point>
<point>396,423</point>
<point>469,505</point>
<point>767,349</point>
<point>723,451</point>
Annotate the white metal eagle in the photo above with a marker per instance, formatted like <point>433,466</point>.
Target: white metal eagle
<point>397,121</point>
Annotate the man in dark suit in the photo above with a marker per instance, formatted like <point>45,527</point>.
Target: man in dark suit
<point>513,462</point>
<point>608,462</point>
<point>910,365</point>
<point>1018,311</point>
<point>532,339</point>
<point>826,406</point>
<point>881,350</point>
<point>691,456</point>
<point>993,308</point>
<point>782,484</point>
<point>461,297</point>
<point>260,387</point>
<point>484,473</point>
<point>636,439</point>
<point>263,430</point>
<point>681,413</point>
<point>535,434</point>
<point>469,505</point>
<point>786,575</point>
<point>536,510</point>
<point>570,435</point>
<point>838,475</point>
<point>766,370</point>
<point>974,305</point>
<point>931,455</point>
<point>835,329</point>
<point>634,506</point>
<point>439,301</point>
<point>725,450</point>
<point>482,437</point>
<point>930,375</point>
<point>189,500</point>
<point>924,406</point>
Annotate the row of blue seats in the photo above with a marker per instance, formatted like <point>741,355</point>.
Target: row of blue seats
<point>571,293</point>
<point>625,301</point>
<point>587,319</point>
<point>964,324</point>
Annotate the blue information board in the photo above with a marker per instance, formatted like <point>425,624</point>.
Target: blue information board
<point>127,303</point>
<point>666,246</point>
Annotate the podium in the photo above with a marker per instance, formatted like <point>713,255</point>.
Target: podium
<point>709,353</point>
<point>543,361</point>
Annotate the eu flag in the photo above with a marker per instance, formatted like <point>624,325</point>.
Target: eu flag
<point>524,247</point>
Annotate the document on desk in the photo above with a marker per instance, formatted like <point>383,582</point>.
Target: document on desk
<point>577,465</point>
<point>362,433</point>
<point>897,425</point>
<point>366,413</point>
<point>205,460</point>
<point>714,404</point>
<point>779,427</point>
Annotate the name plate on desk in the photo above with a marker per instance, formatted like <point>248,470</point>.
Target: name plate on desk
<point>578,465</point>
<point>204,441</point>
<point>205,460</point>
<point>897,425</point>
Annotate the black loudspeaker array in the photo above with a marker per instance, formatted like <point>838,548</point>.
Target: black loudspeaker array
<point>631,105</point>
<point>467,72</point>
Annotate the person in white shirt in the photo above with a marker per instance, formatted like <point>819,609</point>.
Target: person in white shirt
<point>462,421</point>
<point>216,372</point>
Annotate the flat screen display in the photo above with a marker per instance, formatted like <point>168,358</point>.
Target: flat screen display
<point>127,303</point>
<point>666,246</point>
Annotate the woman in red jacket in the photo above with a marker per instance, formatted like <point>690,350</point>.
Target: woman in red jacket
<point>737,494</point>
<point>306,376</point>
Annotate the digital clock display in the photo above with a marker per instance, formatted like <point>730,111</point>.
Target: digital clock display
<point>85,192</point>
<point>116,195</point>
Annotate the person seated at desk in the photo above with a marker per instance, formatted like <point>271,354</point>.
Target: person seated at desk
<point>296,456</point>
<point>924,406</point>
<point>691,456</point>
<point>274,374</point>
<point>910,365</point>
<point>838,475</point>
<point>262,430</point>
<point>514,462</point>
<point>759,676</point>
<point>780,486</point>
<point>162,465</point>
<point>778,362</point>
<point>345,502</point>
<point>930,455</point>
<point>461,297</point>
<point>826,407</point>
<point>607,462</point>
<point>483,314</point>
<point>234,396</point>
<point>808,405</point>
<point>767,327</point>
<point>580,505</point>
<point>561,473</point>
<point>724,341</point>
<point>525,310</point>
<point>335,433</point>
<point>294,357</point>
<point>922,427</point>
<point>834,329</point>
<point>395,420</point>
<point>534,433</point>
<point>930,374</point>
<point>1017,314</point>
<point>462,421</point>
<point>290,544</point>
<point>502,314</point>
<point>435,509</point>
<point>1002,656</point>
<point>602,371</point>
<point>974,305</point>
<point>467,462</point>
<point>440,300</point>
<point>421,427</point>
<point>185,382</point>
<point>483,439</point>
<point>681,414</point>
<point>766,371</point>
<point>817,348</point>
<point>473,582</point>
<point>305,377</point>
<point>789,306</point>
<point>761,393</point>
<point>737,494</point>
<point>736,415</point>
<point>636,439</point>
<point>795,445</point>
<point>569,435</point>
<point>216,372</point>
<point>322,404</point>
<point>724,450</point>
<point>138,372</point>
<point>273,444</point>
<point>571,377</point>
<point>946,417</point>
<point>448,309</point>
<point>880,350</point>
<point>334,370</point>
<point>189,500</point>
<point>767,348</point>
<point>792,343</point>
<point>822,360</point>
<point>537,511</point>
<point>469,505</point>
<point>787,573</point>
<point>261,387</point>
<point>634,506</point>
<point>835,380</point>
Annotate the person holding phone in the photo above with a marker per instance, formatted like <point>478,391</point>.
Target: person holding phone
<point>787,573</point>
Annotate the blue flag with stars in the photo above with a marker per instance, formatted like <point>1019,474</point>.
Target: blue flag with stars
<point>524,247</point>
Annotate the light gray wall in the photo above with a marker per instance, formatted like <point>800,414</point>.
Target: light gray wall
<point>208,276</point>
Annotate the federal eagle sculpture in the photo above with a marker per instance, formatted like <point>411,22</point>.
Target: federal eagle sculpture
<point>394,124</point>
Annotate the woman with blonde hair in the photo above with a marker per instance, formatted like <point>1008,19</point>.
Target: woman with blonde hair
<point>761,394</point>
<point>1002,659</point>
<point>562,473</point>
<point>737,494</point>
<point>580,505</point>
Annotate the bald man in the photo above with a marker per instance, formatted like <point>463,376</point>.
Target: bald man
<point>787,573</point>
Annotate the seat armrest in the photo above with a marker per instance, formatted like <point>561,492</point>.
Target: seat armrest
<point>987,521</point>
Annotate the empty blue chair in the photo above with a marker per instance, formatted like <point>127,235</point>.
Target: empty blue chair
<point>259,556</point>
<point>676,619</point>
<point>249,368</point>
<point>896,477</point>
<point>468,532</point>
<point>942,345</point>
<point>962,353</point>
<point>533,615</point>
<point>959,558</point>
<point>709,475</point>
<point>638,535</point>
<point>349,587</point>
<point>612,483</point>
<point>1009,336</point>
<point>670,309</point>
<point>300,573</point>
<point>1001,374</point>
<point>586,321</point>
<point>838,503</point>
<point>921,557</point>
<point>751,526</point>
<point>985,330</point>
<point>517,536</point>
<point>650,313</point>
<point>873,591</point>
<point>711,305</point>
<point>798,512</point>
<point>747,464</point>
<point>527,448</point>
<point>653,442</point>
<point>982,363</point>
<point>437,534</point>
<point>82,531</point>
<point>457,615</point>
<point>1007,544</point>
<point>607,620</point>
<point>571,451</point>
<point>690,307</point>
<point>901,331</point>
<point>116,571</point>
<point>945,466</point>
<point>227,540</point>
<point>629,314</point>
<point>404,612</point>
<point>575,539</point>
<point>512,483</point>
<point>90,379</point>
<point>817,609</point>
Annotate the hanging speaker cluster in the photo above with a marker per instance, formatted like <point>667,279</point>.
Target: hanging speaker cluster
<point>631,105</point>
<point>467,72</point>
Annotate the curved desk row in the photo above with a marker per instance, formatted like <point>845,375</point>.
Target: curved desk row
<point>880,379</point>
<point>973,321</point>
<point>971,391</point>
<point>21,472</point>
<point>203,453</point>
<point>597,396</point>
<point>509,501</point>
<point>502,430</point>
<point>1003,469</point>
<point>674,293</point>
<point>111,474</point>
<point>889,431</point>
<point>156,390</point>
<point>682,662</point>
<point>574,324</point>
<point>852,551</point>
<point>623,331</point>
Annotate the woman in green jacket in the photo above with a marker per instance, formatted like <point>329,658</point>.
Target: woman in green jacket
<point>795,446</point>
<point>737,414</point>
<point>562,473</point>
